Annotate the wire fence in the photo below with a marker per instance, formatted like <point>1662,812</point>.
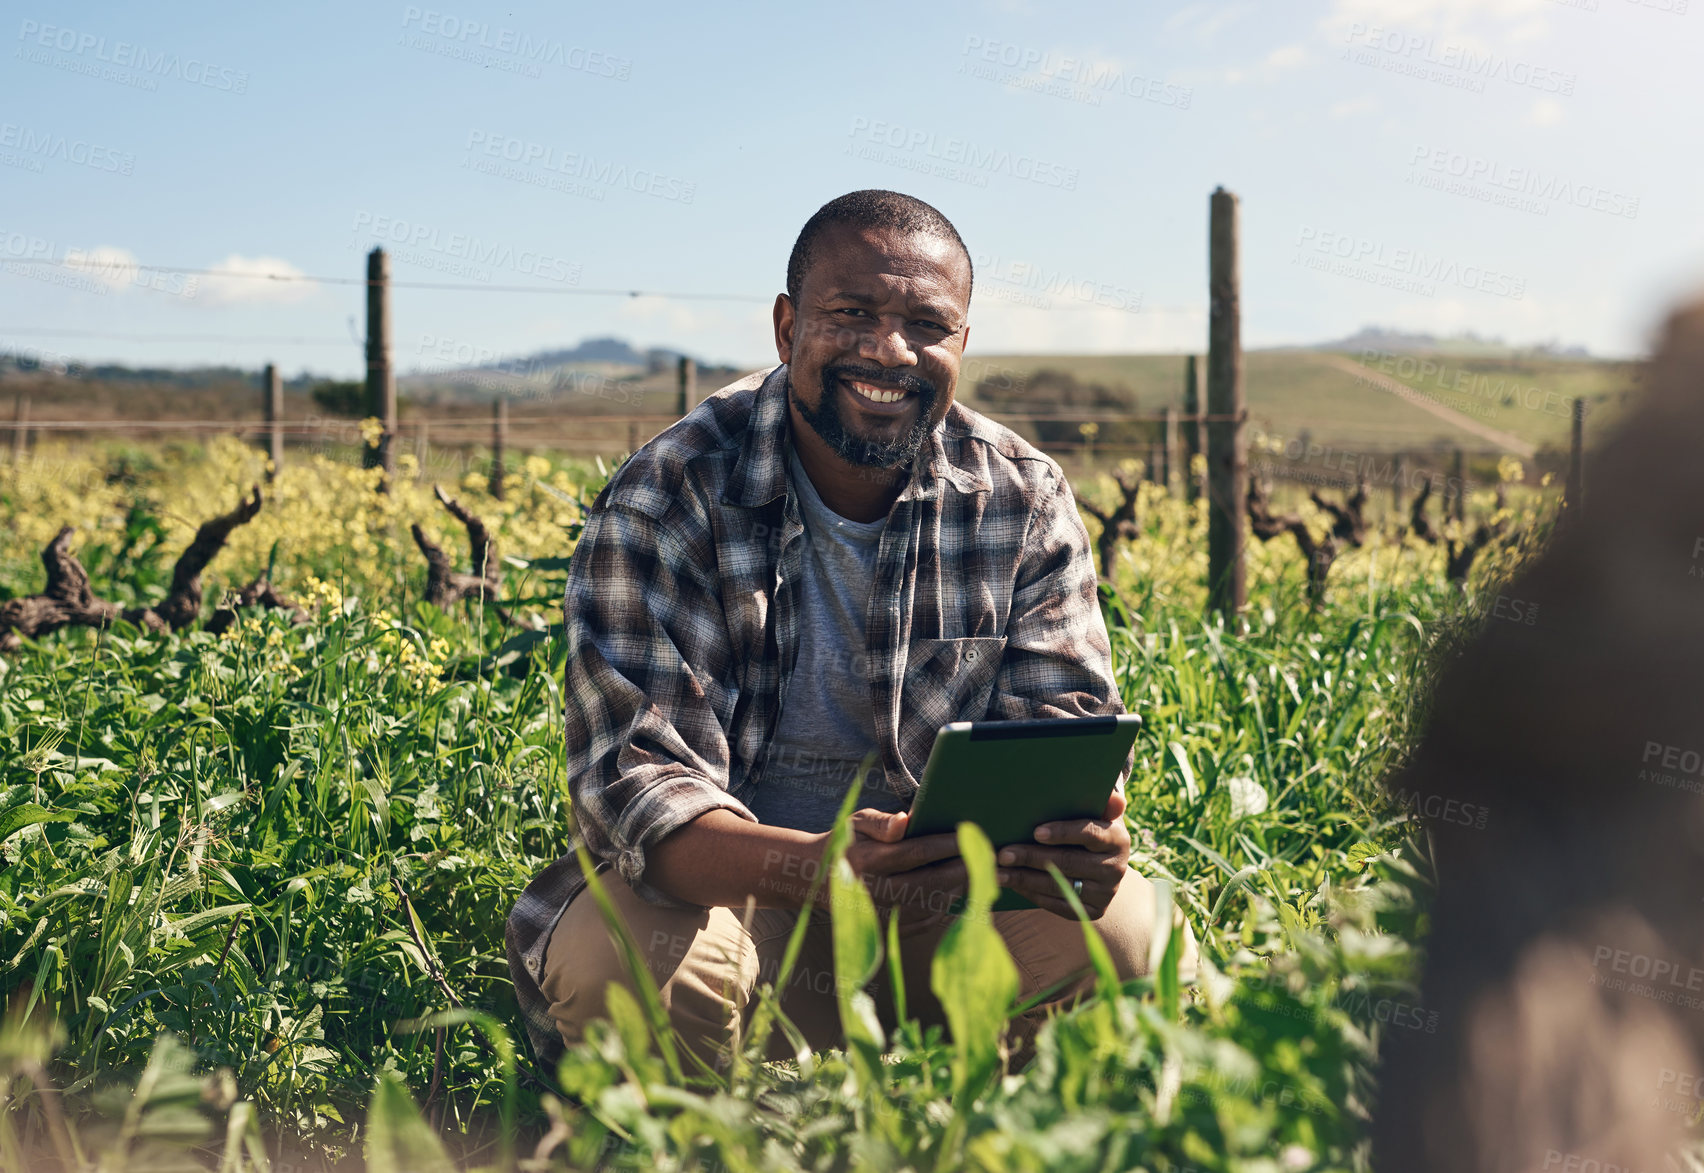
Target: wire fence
<point>610,416</point>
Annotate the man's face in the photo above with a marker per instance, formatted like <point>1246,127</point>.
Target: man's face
<point>874,345</point>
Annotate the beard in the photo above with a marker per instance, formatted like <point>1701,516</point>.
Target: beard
<point>827,422</point>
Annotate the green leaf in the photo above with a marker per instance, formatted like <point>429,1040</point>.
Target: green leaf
<point>398,1139</point>
<point>767,1015</point>
<point>1106,973</point>
<point>1167,986</point>
<point>1362,854</point>
<point>857,955</point>
<point>184,926</point>
<point>896,972</point>
<point>645,985</point>
<point>1190,789</point>
<point>973,975</point>
<point>15,818</point>
<point>857,933</point>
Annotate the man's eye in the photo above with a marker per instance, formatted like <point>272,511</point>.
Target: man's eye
<point>850,310</point>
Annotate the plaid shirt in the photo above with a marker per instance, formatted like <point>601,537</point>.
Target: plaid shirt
<point>683,626</point>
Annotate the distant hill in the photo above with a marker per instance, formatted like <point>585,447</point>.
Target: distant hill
<point>598,374</point>
<point>592,350</point>
<point>608,358</point>
<point>1380,338</point>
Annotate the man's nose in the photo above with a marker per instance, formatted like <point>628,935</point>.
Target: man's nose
<point>886,343</point>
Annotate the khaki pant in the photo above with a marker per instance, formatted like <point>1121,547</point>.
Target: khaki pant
<point>708,967</point>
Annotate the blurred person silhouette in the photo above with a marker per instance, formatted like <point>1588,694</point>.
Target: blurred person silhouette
<point>1566,954</point>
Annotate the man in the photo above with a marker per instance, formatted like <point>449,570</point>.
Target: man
<point>821,564</point>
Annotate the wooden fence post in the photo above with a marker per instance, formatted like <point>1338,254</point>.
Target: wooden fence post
<point>1399,484</point>
<point>20,428</point>
<point>499,444</point>
<point>632,436</point>
<point>1458,505</point>
<point>274,422</point>
<point>381,379</point>
<point>1574,492</point>
<point>687,376</point>
<point>424,453</point>
<point>1171,451</point>
<point>1195,433</point>
<point>1227,463</point>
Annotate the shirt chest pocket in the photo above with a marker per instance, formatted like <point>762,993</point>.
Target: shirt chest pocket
<point>949,680</point>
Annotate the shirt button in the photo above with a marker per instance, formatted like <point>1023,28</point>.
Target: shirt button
<point>970,655</point>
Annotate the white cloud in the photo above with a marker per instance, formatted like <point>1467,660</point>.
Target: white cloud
<point>996,328</point>
<point>1276,62</point>
<point>669,317</point>
<point>112,267</point>
<point>1545,112</point>
<point>239,280</point>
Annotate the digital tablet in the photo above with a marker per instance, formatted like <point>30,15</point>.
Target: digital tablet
<point>1009,777</point>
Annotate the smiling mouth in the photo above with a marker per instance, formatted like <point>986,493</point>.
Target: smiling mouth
<point>875,393</point>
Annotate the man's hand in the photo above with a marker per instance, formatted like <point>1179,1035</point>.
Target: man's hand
<point>1095,851</point>
<point>920,876</point>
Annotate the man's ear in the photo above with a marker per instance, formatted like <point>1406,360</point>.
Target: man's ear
<point>784,320</point>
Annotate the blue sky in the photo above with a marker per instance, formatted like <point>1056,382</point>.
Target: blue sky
<point>1523,168</point>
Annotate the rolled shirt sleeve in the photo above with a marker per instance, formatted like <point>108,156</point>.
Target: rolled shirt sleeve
<point>649,688</point>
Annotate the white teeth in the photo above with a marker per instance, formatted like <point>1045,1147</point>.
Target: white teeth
<point>878,394</point>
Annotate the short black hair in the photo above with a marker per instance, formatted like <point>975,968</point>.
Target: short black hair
<point>870,208</point>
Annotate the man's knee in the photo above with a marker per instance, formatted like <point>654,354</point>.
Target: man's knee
<point>1052,950</point>
<point>703,966</point>
<point>1130,926</point>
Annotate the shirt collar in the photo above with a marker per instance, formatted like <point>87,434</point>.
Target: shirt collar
<point>759,476</point>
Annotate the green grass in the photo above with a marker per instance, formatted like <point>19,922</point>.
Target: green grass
<point>272,849</point>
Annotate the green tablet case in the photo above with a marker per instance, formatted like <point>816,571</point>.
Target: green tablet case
<point>1009,777</point>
